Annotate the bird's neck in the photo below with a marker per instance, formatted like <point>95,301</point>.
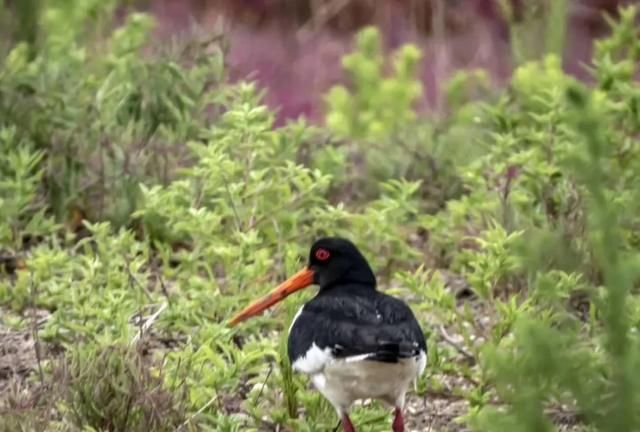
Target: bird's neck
<point>361,278</point>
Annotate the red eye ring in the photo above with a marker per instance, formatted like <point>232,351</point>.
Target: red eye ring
<point>322,254</point>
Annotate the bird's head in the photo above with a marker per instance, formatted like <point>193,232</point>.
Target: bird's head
<point>333,262</point>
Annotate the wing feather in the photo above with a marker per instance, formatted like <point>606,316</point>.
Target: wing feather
<point>379,328</point>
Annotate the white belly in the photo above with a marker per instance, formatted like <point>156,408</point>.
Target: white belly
<point>344,381</point>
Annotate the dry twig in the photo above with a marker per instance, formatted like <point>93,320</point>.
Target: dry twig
<point>448,339</point>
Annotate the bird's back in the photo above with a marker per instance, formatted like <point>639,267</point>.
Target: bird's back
<point>357,322</point>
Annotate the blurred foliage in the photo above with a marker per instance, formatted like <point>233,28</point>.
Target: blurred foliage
<point>147,199</point>
<point>103,116</point>
<point>377,105</point>
<point>377,117</point>
<point>536,28</point>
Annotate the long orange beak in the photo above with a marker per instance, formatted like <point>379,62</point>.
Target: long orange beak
<point>300,280</point>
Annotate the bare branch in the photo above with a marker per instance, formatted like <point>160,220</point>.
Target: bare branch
<point>448,339</point>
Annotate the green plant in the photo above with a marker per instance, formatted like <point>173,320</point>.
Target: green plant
<point>383,139</point>
<point>548,360</point>
<point>100,116</point>
<point>20,188</point>
<point>377,106</point>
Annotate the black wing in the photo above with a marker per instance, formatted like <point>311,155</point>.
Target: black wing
<point>370,324</point>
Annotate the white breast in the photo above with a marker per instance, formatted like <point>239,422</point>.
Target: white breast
<point>343,381</point>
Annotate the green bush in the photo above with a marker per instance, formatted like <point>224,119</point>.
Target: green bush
<point>382,137</point>
<point>551,215</point>
<point>377,106</point>
<point>102,116</point>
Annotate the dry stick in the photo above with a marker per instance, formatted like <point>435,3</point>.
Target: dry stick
<point>163,287</point>
<point>197,413</point>
<point>147,324</point>
<point>131,280</point>
<point>132,277</point>
<point>264,384</point>
<point>455,345</point>
<point>34,330</point>
<point>236,216</point>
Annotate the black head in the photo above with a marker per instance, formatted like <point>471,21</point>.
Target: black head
<point>337,261</point>
<point>333,262</point>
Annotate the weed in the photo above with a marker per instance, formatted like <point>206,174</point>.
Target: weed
<point>114,388</point>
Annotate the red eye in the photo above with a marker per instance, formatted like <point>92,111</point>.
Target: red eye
<point>322,254</point>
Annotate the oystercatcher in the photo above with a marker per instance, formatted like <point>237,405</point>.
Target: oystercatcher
<point>352,340</point>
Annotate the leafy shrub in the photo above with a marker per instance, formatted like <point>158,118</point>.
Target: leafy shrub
<point>383,138</point>
<point>554,177</point>
<point>20,191</point>
<point>101,117</point>
<point>377,105</point>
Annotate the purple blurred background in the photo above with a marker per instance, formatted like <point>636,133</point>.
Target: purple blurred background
<point>293,47</point>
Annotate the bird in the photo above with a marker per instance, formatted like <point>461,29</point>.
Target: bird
<point>353,341</point>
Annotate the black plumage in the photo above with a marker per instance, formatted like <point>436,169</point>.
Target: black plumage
<point>354,320</point>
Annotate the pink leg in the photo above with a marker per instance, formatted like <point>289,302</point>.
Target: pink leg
<point>398,421</point>
<point>346,424</point>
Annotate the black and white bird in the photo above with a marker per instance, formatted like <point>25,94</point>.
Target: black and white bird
<point>353,341</point>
